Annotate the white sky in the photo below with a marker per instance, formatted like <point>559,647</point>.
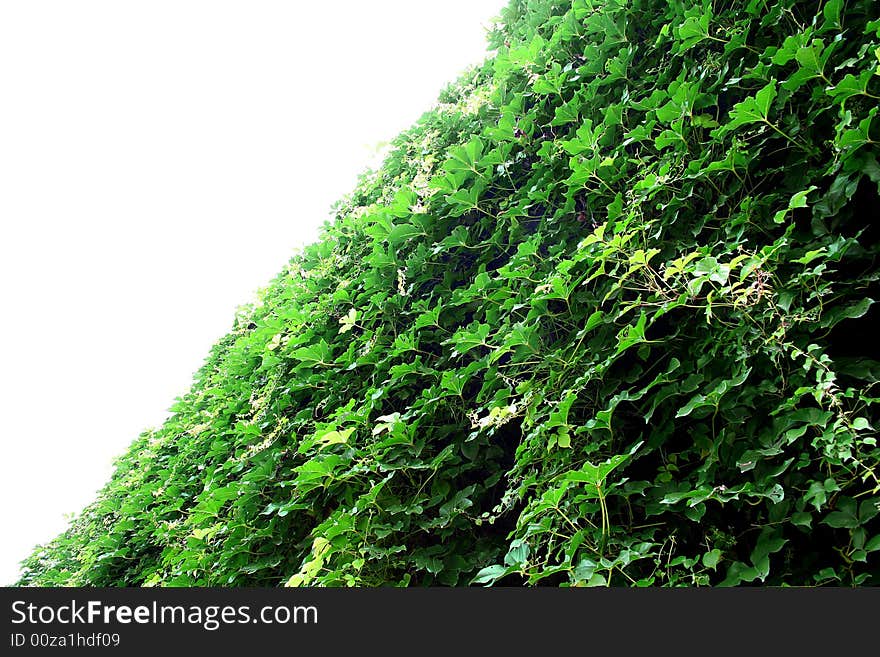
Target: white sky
<point>159,162</point>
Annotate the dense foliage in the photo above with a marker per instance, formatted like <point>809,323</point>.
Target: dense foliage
<point>604,316</point>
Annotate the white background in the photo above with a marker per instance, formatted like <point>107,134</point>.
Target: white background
<point>159,162</point>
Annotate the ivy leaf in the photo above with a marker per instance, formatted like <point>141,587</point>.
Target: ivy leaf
<point>850,86</point>
<point>846,517</point>
<point>751,110</point>
<point>812,58</point>
<point>594,320</point>
<point>711,558</point>
<point>468,339</point>
<point>346,323</point>
<point>632,334</point>
<point>334,437</point>
<point>490,574</point>
<point>854,311</point>
<point>402,232</point>
<point>798,200</point>
<point>595,475</point>
<point>316,354</point>
<point>831,12</point>
<point>465,158</point>
<point>695,27</point>
<point>854,138</point>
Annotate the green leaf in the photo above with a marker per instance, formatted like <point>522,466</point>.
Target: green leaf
<point>738,572</point>
<point>810,57</point>
<point>563,439</point>
<point>789,48</point>
<point>597,474</point>
<point>695,402</point>
<point>802,519</point>
<point>489,574</point>
<point>868,510</point>
<point>334,437</point>
<point>831,13</point>
<point>465,158</point>
<point>854,311</point>
<point>468,339</point>
<point>403,232</point>
<point>584,570</point>
<point>317,354</point>
<point>695,28</point>
<point>518,554</point>
<point>770,541</point>
<point>854,138</point>
<point>799,200</point>
<point>845,517</point>
<point>850,86</point>
<point>567,113</point>
<point>751,110</point>
<point>712,269</point>
<point>711,558</point>
<point>764,98</point>
<point>632,334</point>
<point>594,320</point>
<point>346,323</point>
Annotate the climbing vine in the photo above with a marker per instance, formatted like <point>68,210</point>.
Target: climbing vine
<point>605,316</point>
